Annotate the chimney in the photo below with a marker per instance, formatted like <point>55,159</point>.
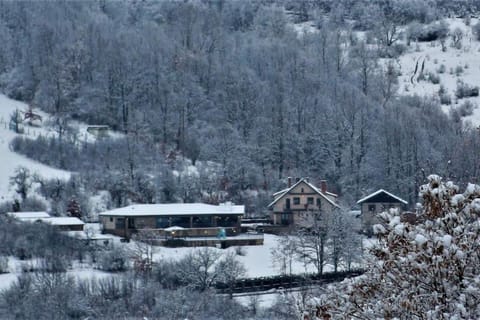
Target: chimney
<point>297,179</point>
<point>323,186</point>
<point>289,183</point>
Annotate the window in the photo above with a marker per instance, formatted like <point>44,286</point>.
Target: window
<point>162,222</point>
<point>131,223</point>
<point>302,190</point>
<point>371,207</point>
<point>225,221</point>
<point>310,200</point>
<point>111,219</point>
<point>319,203</point>
<point>296,200</point>
<point>120,223</point>
<point>183,222</point>
<point>202,222</point>
<point>285,219</point>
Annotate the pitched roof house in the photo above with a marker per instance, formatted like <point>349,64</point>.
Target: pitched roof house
<point>377,202</point>
<point>298,203</point>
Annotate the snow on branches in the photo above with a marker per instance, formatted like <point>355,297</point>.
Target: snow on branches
<point>425,270</point>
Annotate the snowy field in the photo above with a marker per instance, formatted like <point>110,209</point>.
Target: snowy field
<point>257,261</point>
<point>79,271</point>
<point>11,160</point>
<point>430,55</point>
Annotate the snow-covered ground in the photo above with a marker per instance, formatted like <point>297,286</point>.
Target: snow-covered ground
<point>256,259</point>
<point>78,271</point>
<point>431,55</point>
<point>10,160</point>
<point>458,64</point>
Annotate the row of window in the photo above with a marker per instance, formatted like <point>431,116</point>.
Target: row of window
<point>184,222</point>
<point>373,207</point>
<point>310,201</point>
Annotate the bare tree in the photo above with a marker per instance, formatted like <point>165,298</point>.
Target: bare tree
<point>143,250</point>
<point>284,253</point>
<point>197,269</point>
<point>230,269</point>
<point>312,240</point>
<point>21,181</point>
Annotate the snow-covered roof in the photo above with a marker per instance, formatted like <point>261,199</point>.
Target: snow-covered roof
<point>83,235</point>
<point>28,214</point>
<point>174,228</point>
<point>172,209</point>
<point>282,193</point>
<point>381,191</point>
<point>63,221</point>
<point>56,221</point>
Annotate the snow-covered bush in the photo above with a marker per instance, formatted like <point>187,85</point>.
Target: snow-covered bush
<point>3,264</point>
<point>442,69</point>
<point>445,98</point>
<point>54,263</point>
<point>434,31</point>
<point>458,70</point>
<point>426,270</point>
<point>33,203</point>
<point>466,108</point>
<point>476,30</point>
<point>464,90</point>
<point>114,260</point>
<point>434,78</point>
<point>240,251</point>
<point>457,36</point>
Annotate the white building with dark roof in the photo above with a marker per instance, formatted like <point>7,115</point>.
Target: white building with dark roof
<point>298,203</point>
<point>378,202</point>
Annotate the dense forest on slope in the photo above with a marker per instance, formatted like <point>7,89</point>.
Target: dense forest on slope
<point>230,85</point>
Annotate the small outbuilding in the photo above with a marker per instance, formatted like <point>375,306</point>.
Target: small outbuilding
<point>99,131</point>
<point>378,202</point>
<point>61,223</point>
<point>64,223</point>
<point>28,215</point>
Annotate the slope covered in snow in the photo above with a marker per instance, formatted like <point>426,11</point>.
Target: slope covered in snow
<point>450,67</point>
<point>10,160</point>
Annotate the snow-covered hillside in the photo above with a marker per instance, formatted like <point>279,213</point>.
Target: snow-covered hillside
<point>10,160</point>
<point>423,59</point>
<point>450,66</point>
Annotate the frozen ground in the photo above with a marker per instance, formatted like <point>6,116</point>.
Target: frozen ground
<point>257,260</point>
<point>431,55</point>
<point>11,160</point>
<point>79,271</point>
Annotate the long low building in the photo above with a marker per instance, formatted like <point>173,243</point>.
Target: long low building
<point>174,220</point>
<point>62,223</point>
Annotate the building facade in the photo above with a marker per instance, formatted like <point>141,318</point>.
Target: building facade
<point>376,203</point>
<point>298,204</point>
<point>175,220</point>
